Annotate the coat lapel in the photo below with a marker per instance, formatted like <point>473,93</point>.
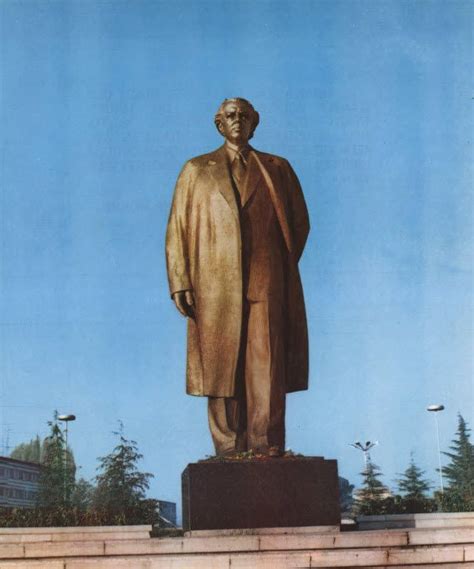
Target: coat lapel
<point>254,176</point>
<point>260,166</point>
<point>265,165</point>
<point>219,169</point>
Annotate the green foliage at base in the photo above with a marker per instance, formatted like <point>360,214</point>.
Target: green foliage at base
<point>397,505</point>
<point>144,514</point>
<point>453,501</point>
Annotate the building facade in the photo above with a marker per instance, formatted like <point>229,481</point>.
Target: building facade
<point>167,513</point>
<point>18,482</point>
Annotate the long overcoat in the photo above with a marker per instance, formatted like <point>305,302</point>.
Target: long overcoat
<point>203,251</point>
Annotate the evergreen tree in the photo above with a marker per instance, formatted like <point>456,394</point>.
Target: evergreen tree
<point>370,497</point>
<point>31,451</point>
<point>412,484</point>
<point>83,495</point>
<point>459,473</point>
<point>56,479</point>
<point>121,486</point>
<point>413,487</point>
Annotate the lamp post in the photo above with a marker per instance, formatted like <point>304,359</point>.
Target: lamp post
<point>435,409</point>
<point>66,419</point>
<point>365,448</point>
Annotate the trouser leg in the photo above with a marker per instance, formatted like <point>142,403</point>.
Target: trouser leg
<point>223,423</point>
<point>265,376</point>
<point>227,424</point>
<point>227,415</point>
<point>255,417</point>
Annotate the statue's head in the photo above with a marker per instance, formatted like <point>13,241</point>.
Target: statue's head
<point>236,120</point>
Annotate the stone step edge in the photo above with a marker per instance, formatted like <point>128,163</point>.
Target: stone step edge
<point>234,546</point>
<point>387,558</point>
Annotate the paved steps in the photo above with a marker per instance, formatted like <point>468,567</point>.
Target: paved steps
<point>420,548</point>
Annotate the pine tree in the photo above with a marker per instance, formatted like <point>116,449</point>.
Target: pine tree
<point>82,495</point>
<point>56,479</point>
<point>412,484</point>
<point>370,497</point>
<point>413,487</point>
<point>121,486</point>
<point>459,473</point>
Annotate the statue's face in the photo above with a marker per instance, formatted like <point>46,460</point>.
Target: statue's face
<point>236,123</point>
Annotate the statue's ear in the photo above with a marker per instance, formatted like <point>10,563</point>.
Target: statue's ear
<point>219,127</point>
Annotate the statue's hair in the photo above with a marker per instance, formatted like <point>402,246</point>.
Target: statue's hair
<point>254,116</point>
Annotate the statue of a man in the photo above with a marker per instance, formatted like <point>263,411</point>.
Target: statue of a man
<point>237,228</point>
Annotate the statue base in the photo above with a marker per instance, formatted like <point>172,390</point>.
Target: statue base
<point>260,493</point>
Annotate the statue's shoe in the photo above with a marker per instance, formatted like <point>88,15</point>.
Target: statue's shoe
<point>275,452</point>
<point>263,450</point>
<point>231,453</point>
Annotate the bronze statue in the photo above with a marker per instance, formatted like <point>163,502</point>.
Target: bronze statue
<point>237,228</point>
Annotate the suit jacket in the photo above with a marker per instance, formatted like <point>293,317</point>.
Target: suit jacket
<point>264,251</point>
<point>203,251</point>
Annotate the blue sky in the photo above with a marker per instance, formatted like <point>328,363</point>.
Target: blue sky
<point>101,104</point>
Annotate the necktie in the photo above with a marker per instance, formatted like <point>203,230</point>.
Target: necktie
<point>239,169</point>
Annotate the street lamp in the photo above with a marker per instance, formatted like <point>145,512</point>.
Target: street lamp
<point>66,419</point>
<point>365,448</point>
<point>435,409</point>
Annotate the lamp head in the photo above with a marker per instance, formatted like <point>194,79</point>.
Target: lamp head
<point>435,408</point>
<point>66,418</point>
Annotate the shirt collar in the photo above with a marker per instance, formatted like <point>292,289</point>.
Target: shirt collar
<point>233,149</point>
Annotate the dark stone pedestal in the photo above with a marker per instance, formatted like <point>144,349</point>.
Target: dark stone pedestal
<point>275,492</point>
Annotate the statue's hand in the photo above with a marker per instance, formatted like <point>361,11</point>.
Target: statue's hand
<point>184,300</point>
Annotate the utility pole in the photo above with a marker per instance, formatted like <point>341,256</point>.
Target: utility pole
<point>436,409</point>
<point>66,419</point>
